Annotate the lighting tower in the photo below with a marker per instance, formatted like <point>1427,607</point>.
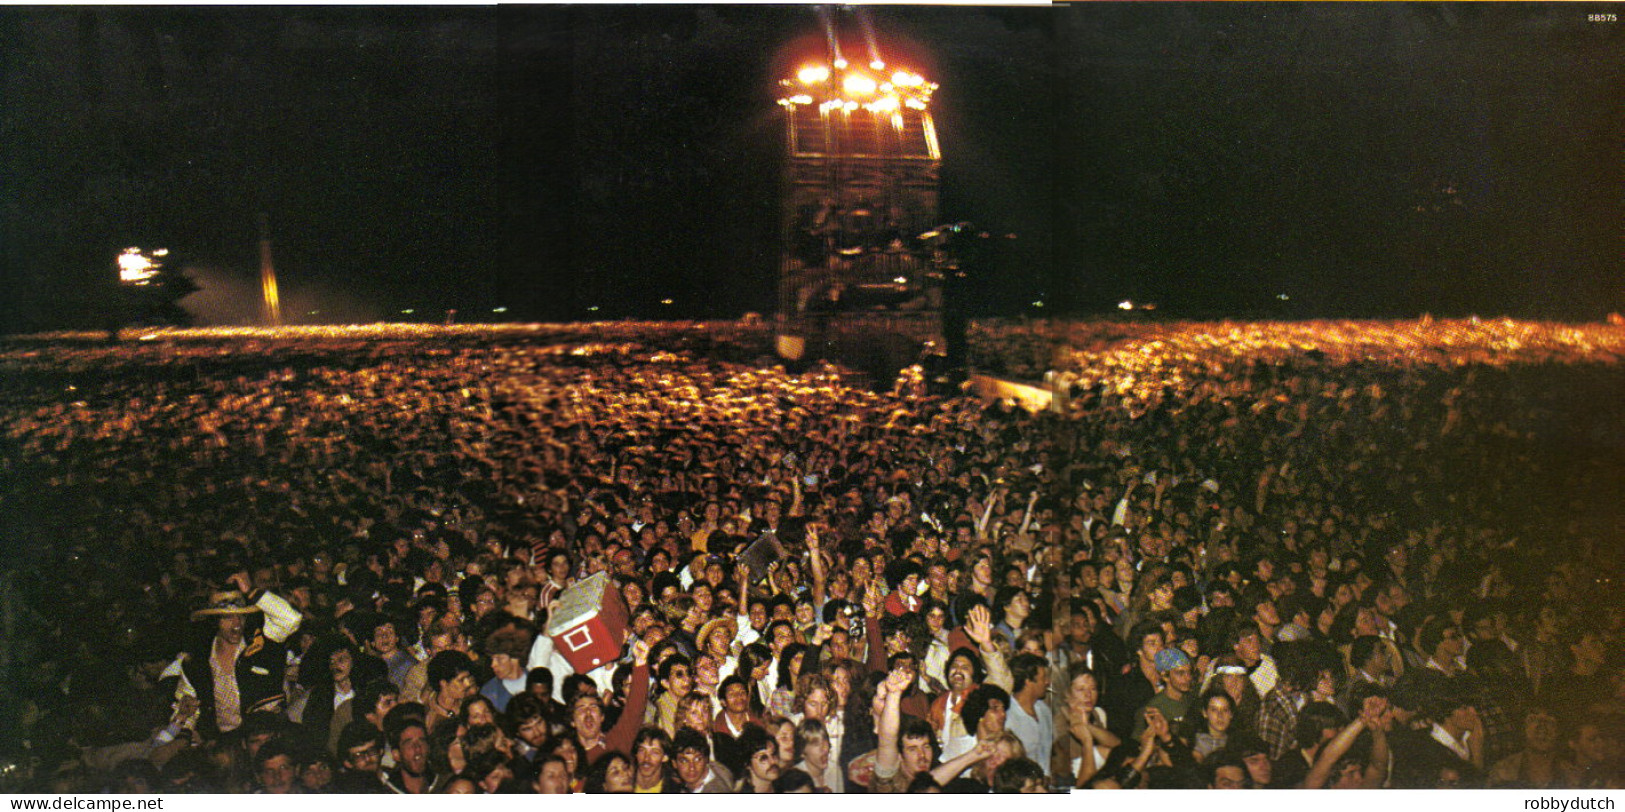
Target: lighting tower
<point>860,185</point>
<point>272,305</point>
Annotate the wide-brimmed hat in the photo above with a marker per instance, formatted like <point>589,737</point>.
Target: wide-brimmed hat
<point>233,602</point>
<point>712,627</point>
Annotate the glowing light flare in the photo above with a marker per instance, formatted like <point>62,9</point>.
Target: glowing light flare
<point>877,65</point>
<point>914,104</point>
<point>136,267</point>
<point>885,105</point>
<point>840,64</point>
<point>859,84</point>
<point>906,79</point>
<point>801,99</point>
<point>813,74</point>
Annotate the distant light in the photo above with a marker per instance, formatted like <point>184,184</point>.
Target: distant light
<point>813,74</point>
<point>885,105</point>
<point>859,84</point>
<point>1038,304</point>
<point>1283,297</point>
<point>840,64</point>
<point>161,252</point>
<point>499,310</point>
<point>877,65</point>
<point>313,312</point>
<point>149,337</point>
<point>906,79</point>
<point>407,312</point>
<point>665,301</point>
<point>136,267</point>
<point>593,309</point>
<point>901,280</point>
<point>801,99</point>
<point>1125,305</point>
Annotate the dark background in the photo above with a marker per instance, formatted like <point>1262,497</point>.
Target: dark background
<point>1362,159</point>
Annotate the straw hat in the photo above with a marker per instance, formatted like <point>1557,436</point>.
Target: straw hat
<point>232,602</point>
<point>712,627</point>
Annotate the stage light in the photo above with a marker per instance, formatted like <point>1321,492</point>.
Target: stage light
<point>859,84</point>
<point>813,74</point>
<point>137,267</point>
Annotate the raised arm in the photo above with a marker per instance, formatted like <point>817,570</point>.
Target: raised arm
<point>888,759</point>
<point>993,500</point>
<point>816,564</point>
<point>795,496</point>
<point>281,619</point>
<point>949,770</point>
<point>979,628</point>
<point>637,701</point>
<point>873,608</point>
<point>1027,515</point>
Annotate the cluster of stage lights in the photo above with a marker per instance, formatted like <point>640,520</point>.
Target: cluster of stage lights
<point>843,87</point>
<point>138,267</point>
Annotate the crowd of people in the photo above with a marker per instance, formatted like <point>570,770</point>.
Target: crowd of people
<point>327,562</point>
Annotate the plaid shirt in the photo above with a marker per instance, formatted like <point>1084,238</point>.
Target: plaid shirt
<point>1277,723</point>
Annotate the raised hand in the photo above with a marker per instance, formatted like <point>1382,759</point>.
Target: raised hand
<point>822,634</point>
<point>872,601</point>
<point>979,626</point>
<point>898,680</point>
<point>1156,723</point>
<point>1374,713</point>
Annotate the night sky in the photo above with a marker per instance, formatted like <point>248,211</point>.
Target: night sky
<point>1363,159</point>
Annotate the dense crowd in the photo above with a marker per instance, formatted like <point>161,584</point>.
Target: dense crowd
<point>1231,557</point>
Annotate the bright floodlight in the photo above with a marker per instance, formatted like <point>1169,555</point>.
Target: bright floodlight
<point>859,84</point>
<point>813,74</point>
<point>136,267</point>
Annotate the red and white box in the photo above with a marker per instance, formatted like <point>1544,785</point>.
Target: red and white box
<point>589,625</point>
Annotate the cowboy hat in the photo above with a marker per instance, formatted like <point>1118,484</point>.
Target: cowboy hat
<point>712,627</point>
<point>232,602</point>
